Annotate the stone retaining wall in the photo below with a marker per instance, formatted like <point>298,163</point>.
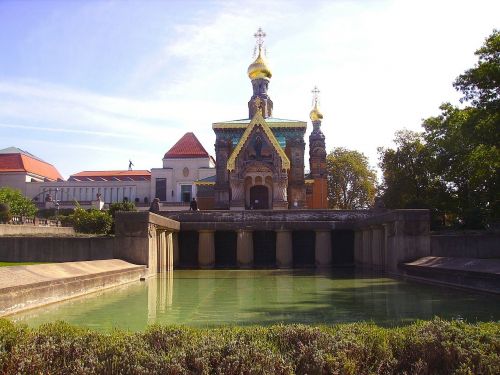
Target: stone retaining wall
<point>34,230</point>
<point>466,245</point>
<point>55,249</point>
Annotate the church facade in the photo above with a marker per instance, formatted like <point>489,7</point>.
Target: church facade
<point>260,159</point>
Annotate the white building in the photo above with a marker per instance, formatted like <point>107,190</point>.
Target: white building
<point>186,162</point>
<point>174,184</point>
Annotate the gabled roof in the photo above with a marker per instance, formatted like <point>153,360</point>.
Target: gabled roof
<point>120,175</point>
<point>258,120</point>
<point>272,122</point>
<point>187,147</point>
<point>13,159</point>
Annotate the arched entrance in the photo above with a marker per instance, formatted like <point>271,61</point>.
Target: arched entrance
<point>259,197</point>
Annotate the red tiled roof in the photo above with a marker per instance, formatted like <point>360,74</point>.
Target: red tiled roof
<point>187,147</point>
<point>23,162</point>
<point>123,175</point>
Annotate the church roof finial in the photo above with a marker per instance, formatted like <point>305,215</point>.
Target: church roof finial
<point>315,114</point>
<point>259,69</point>
<point>259,41</point>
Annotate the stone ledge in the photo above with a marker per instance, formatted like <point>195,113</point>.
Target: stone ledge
<point>25,287</point>
<point>478,274</point>
<point>34,230</point>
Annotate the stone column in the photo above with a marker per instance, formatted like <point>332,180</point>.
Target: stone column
<point>162,251</point>
<point>244,249</point>
<point>175,245</point>
<point>206,249</point>
<point>376,247</point>
<point>284,252</point>
<point>169,251</point>
<point>323,248</point>
<point>366,257</point>
<point>358,247</point>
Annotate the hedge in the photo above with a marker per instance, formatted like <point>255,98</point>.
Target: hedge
<point>424,347</point>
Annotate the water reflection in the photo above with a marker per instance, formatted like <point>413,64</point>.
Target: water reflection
<point>214,297</point>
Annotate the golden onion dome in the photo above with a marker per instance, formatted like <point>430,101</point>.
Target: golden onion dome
<point>315,114</point>
<point>259,69</point>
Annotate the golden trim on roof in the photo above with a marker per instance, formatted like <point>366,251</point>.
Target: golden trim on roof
<point>258,120</point>
<point>199,183</point>
<point>226,125</point>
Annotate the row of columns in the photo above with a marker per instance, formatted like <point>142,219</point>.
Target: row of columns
<point>370,246</point>
<point>164,252</point>
<point>245,249</point>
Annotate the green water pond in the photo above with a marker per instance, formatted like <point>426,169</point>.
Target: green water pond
<point>205,298</point>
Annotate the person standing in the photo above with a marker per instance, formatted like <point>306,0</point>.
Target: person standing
<point>193,206</point>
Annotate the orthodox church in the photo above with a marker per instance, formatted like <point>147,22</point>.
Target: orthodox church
<point>259,164</point>
<point>260,159</point>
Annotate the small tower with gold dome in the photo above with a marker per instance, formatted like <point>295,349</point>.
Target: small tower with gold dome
<point>317,156</point>
<point>260,75</point>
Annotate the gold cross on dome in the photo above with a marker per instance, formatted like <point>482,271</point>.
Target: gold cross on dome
<point>315,93</point>
<point>259,36</point>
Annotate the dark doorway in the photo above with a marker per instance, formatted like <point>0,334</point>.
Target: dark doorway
<point>161,189</point>
<point>303,245</point>
<point>259,197</point>
<point>225,248</point>
<point>342,247</point>
<point>188,249</point>
<point>264,248</point>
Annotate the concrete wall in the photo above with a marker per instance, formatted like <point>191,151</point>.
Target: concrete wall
<point>69,191</point>
<point>387,240</point>
<point>466,245</point>
<point>26,230</point>
<point>55,249</point>
<point>143,238</point>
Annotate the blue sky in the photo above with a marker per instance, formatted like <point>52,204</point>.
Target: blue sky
<point>86,85</point>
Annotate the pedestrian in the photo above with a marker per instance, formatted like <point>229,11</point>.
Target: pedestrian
<point>193,206</point>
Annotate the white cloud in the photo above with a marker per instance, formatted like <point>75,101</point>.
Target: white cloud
<point>381,66</point>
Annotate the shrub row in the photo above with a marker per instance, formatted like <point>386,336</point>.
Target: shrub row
<point>432,347</point>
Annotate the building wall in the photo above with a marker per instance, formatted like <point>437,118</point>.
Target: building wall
<point>180,172</point>
<point>174,172</point>
<point>14,180</point>
<point>81,191</point>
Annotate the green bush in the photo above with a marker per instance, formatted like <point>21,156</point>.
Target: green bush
<point>121,206</point>
<point>91,221</point>
<point>432,347</point>
<point>50,213</point>
<point>18,203</point>
<point>5,214</point>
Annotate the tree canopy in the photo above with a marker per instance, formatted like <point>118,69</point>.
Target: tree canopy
<point>17,202</point>
<point>351,181</point>
<point>454,165</point>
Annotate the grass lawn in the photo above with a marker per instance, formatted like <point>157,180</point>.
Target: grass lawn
<point>7,264</point>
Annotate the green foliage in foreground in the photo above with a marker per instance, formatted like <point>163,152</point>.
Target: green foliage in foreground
<point>91,221</point>
<point>433,347</point>
<point>17,202</point>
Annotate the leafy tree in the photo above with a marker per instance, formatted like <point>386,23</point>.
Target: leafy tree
<point>410,178</point>
<point>464,144</point>
<point>18,203</point>
<point>454,164</point>
<point>351,181</point>
<point>481,84</point>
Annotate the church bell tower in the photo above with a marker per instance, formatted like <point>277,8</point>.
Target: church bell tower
<point>317,156</point>
<point>260,75</point>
